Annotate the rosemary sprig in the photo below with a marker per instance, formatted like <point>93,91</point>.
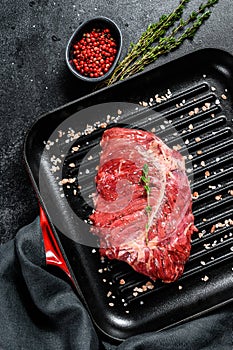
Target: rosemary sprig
<point>145,52</point>
<point>146,181</point>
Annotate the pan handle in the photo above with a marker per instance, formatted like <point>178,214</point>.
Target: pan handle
<point>52,251</point>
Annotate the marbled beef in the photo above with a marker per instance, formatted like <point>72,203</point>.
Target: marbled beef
<point>149,229</point>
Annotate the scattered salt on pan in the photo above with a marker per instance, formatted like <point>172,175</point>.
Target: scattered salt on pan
<point>205,278</point>
<point>215,242</point>
<point>190,126</point>
<point>218,197</point>
<point>200,234</point>
<point>207,246</point>
<point>191,113</point>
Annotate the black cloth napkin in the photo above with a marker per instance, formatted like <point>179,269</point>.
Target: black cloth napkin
<point>39,310</point>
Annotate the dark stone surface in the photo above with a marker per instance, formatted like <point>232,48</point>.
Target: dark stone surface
<point>35,79</point>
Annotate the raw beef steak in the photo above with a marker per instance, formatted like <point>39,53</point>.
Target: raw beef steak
<point>143,208</point>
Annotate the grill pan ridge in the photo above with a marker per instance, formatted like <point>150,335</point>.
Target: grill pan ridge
<point>122,302</point>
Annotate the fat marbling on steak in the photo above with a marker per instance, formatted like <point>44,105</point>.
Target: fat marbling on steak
<point>150,229</point>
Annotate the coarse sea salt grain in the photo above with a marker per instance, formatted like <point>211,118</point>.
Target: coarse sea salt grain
<point>205,278</point>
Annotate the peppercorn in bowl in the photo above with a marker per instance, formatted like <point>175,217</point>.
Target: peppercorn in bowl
<point>94,49</point>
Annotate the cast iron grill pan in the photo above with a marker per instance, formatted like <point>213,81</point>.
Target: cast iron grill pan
<point>122,302</point>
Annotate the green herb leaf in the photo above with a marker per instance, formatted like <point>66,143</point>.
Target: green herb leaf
<point>145,169</point>
<point>143,179</point>
<point>146,181</point>
<point>148,208</point>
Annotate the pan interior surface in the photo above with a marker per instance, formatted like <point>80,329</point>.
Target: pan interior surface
<point>188,104</point>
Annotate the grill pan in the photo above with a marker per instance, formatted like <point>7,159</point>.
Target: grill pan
<point>120,301</point>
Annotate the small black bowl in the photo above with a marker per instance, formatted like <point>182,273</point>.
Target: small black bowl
<point>86,27</point>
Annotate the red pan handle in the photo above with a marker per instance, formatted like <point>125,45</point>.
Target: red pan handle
<point>52,251</point>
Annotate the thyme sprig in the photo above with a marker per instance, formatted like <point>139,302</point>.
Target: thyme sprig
<point>146,182</point>
<point>154,42</point>
<point>153,32</point>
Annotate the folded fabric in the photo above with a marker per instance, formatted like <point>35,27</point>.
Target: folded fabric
<point>39,310</point>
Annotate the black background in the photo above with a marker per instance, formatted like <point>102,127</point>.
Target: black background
<point>35,79</point>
